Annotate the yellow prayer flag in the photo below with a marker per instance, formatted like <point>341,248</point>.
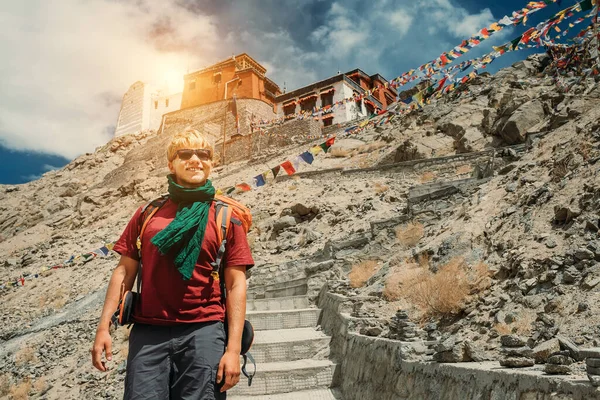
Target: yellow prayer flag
<point>316,150</point>
<point>557,29</point>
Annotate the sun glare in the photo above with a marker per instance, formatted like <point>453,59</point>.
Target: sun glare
<point>173,79</point>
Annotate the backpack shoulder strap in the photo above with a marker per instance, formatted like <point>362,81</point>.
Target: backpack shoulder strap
<point>148,212</point>
<point>223,217</point>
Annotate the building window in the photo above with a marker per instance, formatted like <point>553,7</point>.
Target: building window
<point>192,85</point>
<point>289,109</point>
<point>166,102</point>
<point>309,104</point>
<point>388,99</point>
<point>328,121</point>
<point>217,78</point>
<point>155,104</point>
<point>327,99</point>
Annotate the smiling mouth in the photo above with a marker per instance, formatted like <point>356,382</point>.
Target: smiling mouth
<point>194,169</point>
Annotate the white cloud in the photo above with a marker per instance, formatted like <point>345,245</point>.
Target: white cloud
<point>70,62</point>
<point>401,21</point>
<point>471,24</point>
<point>67,64</point>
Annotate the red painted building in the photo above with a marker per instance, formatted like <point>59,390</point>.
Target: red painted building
<point>240,75</point>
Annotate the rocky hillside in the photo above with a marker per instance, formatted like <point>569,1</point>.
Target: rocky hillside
<point>477,216</point>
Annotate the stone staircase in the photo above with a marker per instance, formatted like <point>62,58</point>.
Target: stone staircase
<point>290,353</point>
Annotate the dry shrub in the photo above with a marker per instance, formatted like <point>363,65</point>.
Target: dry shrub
<point>464,169</point>
<point>394,288</point>
<point>410,234</point>
<point>43,299</point>
<point>60,298</point>
<point>561,168</point>
<point>362,272</point>
<point>585,149</point>
<point>40,385</point>
<point>521,326</point>
<point>503,329</point>
<point>4,385</point>
<point>293,187</point>
<point>339,152</point>
<point>423,260</point>
<point>21,391</point>
<point>380,188</point>
<point>442,293</point>
<point>427,177</point>
<point>24,356</point>
<point>479,277</point>
<point>437,294</point>
<point>524,323</point>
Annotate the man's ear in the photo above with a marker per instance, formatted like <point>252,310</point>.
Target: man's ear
<point>171,167</point>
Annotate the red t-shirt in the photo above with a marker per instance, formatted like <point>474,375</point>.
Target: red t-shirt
<point>166,297</point>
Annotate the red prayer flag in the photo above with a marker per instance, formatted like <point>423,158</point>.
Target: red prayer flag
<point>329,142</point>
<point>244,187</point>
<point>288,167</point>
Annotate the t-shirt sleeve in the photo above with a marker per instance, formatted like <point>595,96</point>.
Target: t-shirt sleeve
<point>126,245</point>
<point>238,251</point>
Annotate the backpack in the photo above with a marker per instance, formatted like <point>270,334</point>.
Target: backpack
<point>227,211</point>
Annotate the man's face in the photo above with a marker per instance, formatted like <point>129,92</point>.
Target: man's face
<point>191,167</point>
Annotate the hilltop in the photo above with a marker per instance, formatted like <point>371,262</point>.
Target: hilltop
<point>477,216</point>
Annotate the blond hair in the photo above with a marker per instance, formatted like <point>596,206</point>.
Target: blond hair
<point>189,138</point>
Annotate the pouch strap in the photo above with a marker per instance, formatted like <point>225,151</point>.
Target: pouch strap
<point>249,376</point>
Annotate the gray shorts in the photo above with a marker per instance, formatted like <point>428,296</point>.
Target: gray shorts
<point>174,362</point>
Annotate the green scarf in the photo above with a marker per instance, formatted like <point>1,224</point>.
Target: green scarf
<point>184,235</point>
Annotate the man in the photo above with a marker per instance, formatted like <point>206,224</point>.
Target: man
<point>177,346</point>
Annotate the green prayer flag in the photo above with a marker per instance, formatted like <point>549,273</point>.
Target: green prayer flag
<point>586,5</point>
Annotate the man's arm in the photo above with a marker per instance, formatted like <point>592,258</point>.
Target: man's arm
<point>124,274</point>
<point>229,367</point>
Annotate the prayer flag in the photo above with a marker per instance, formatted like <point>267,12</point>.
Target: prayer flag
<point>296,162</point>
<point>329,142</point>
<point>307,157</point>
<point>288,167</point>
<point>317,149</point>
<point>244,187</point>
<point>275,171</point>
<point>259,180</point>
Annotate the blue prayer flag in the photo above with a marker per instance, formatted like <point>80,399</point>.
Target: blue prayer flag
<point>260,181</point>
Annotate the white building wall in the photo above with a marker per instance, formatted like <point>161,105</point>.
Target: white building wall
<point>159,107</point>
<point>139,111</point>
<point>342,113</point>
<point>132,109</point>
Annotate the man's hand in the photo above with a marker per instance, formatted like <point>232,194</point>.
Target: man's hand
<point>229,369</point>
<point>103,342</point>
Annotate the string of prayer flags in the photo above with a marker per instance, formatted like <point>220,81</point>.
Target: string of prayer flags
<point>103,251</point>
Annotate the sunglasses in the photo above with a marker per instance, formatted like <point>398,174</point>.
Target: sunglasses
<point>202,154</point>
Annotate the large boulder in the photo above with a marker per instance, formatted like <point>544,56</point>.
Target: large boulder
<point>514,130</point>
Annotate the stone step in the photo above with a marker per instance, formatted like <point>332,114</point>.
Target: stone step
<point>296,287</point>
<point>289,345</point>
<point>285,377</point>
<point>278,303</point>
<point>317,394</point>
<point>283,319</point>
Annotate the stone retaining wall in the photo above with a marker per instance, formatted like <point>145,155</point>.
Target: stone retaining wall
<point>376,368</point>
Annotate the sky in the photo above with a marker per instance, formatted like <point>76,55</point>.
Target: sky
<point>67,64</point>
